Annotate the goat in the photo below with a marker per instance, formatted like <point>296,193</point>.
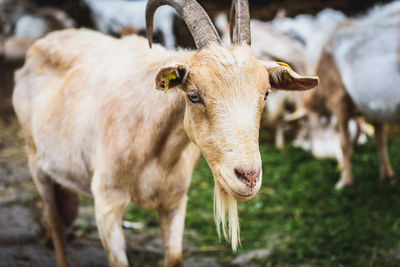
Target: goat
<point>319,134</point>
<point>347,56</point>
<point>115,16</point>
<point>308,33</point>
<point>94,124</point>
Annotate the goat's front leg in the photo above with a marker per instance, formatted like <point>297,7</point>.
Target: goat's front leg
<point>346,177</point>
<point>385,168</point>
<point>110,203</point>
<point>172,224</point>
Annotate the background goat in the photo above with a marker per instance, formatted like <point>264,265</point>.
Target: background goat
<point>115,16</point>
<point>345,56</point>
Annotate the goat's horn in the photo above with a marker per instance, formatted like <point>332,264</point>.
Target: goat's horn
<point>240,22</point>
<point>197,20</point>
<point>297,114</point>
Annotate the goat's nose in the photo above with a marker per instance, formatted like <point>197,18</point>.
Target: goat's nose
<point>248,177</point>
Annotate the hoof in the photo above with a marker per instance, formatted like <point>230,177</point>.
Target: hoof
<point>390,179</point>
<point>342,184</point>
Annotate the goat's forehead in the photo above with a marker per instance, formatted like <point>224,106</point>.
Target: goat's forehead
<point>219,68</point>
<point>224,58</point>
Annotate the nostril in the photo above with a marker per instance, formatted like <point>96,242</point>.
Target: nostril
<point>248,177</point>
<point>239,173</point>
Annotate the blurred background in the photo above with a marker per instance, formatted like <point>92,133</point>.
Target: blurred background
<point>310,211</point>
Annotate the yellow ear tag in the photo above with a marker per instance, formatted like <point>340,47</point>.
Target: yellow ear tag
<point>168,77</point>
<point>283,64</point>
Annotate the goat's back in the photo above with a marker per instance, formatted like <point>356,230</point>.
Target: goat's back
<point>368,57</point>
<point>78,88</point>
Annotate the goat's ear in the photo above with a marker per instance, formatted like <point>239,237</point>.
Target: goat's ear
<point>282,77</point>
<point>171,75</point>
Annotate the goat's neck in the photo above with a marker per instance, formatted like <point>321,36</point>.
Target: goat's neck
<point>172,139</point>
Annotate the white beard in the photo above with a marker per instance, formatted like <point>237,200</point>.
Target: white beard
<point>222,201</point>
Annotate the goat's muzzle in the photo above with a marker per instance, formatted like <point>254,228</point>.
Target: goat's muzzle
<point>249,177</point>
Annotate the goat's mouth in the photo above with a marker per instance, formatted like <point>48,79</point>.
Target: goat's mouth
<point>241,195</point>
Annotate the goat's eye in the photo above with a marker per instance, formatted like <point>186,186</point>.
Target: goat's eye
<point>194,97</point>
<point>266,94</point>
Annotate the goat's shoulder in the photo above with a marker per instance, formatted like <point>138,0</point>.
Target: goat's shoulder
<point>61,49</point>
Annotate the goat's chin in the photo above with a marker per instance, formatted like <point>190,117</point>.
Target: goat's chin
<point>241,193</point>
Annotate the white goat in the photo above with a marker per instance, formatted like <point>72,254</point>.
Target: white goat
<point>113,16</point>
<point>310,33</point>
<point>358,62</point>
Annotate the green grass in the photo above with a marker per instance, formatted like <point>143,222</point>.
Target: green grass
<point>300,216</point>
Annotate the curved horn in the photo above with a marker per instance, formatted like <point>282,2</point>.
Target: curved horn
<point>240,22</point>
<point>197,20</point>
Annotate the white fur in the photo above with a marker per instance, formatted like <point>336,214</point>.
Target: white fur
<point>112,16</point>
<point>225,204</point>
<point>367,54</point>
<point>310,33</point>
